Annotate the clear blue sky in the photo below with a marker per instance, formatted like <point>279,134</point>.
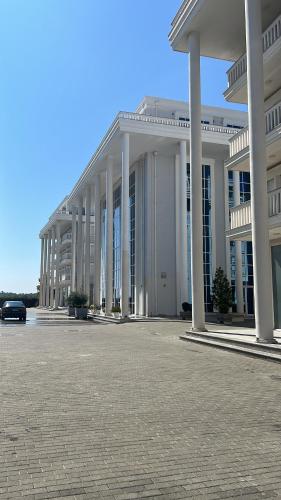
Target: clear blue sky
<point>67,67</point>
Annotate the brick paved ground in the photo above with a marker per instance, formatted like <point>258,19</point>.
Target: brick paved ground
<point>129,411</point>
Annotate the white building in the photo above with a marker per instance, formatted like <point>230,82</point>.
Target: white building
<point>247,32</point>
<point>123,233</point>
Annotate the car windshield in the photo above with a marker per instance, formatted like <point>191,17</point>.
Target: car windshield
<point>13,303</point>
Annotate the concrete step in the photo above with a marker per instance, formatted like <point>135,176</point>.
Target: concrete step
<point>270,352</point>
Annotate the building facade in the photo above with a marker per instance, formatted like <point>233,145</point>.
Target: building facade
<point>123,235</point>
<point>247,33</point>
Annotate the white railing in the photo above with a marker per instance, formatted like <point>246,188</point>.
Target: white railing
<point>66,237</point>
<point>240,140</point>
<point>273,118</point>
<point>240,215</point>
<point>65,256</point>
<point>172,122</point>
<point>274,202</point>
<point>270,36</point>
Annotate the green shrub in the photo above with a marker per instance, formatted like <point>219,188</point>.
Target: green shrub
<point>77,299</point>
<point>222,293</point>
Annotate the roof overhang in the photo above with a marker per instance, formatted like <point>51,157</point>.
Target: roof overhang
<point>221,24</point>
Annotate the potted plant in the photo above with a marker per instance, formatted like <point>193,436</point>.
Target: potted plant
<point>70,303</point>
<point>222,294</point>
<point>79,302</point>
<point>116,311</point>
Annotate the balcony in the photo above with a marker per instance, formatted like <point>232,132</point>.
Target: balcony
<point>241,218</point>
<point>66,238</point>
<point>239,143</point>
<point>237,74</point>
<point>65,258</point>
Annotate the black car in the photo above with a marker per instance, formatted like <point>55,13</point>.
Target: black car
<point>13,309</point>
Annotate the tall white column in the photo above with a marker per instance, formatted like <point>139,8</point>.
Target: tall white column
<point>198,311</point>
<point>87,241</point>
<point>57,283</point>
<point>53,264</point>
<point>41,273</point>
<point>238,250</point>
<point>73,248</point>
<point>80,245</point>
<point>125,225</point>
<point>139,247</point>
<point>48,269</point>
<point>97,242</point>
<point>109,235</point>
<point>181,226</point>
<point>259,207</point>
<point>45,269</point>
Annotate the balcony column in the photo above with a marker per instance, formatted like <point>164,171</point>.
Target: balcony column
<point>45,269</point>
<point>57,283</point>
<point>238,251</point>
<point>53,266</point>
<point>181,232</point>
<point>87,241</point>
<point>80,245</point>
<point>73,248</point>
<point>48,270</point>
<point>125,225</point>
<point>259,203</point>
<point>109,236</point>
<point>197,279</point>
<point>97,241</point>
<point>41,272</point>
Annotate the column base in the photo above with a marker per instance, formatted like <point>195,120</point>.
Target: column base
<point>265,341</point>
<point>198,330</point>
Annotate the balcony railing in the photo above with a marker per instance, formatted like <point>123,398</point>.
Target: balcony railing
<point>65,256</point>
<point>66,237</point>
<point>274,202</point>
<point>242,215</point>
<point>240,140</point>
<point>270,36</point>
<point>172,122</point>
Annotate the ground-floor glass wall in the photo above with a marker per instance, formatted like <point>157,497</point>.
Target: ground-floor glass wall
<point>207,234</point>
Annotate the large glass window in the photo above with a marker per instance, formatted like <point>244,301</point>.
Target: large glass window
<point>103,252</point>
<point>207,232</point>
<point>116,246</point>
<point>132,272</point>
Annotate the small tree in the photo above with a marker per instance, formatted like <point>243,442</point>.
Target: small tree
<point>77,299</point>
<point>222,293</point>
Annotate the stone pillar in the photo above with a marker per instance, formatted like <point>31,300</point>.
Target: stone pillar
<point>125,225</point>
<point>73,248</point>
<point>57,283</point>
<point>181,226</point>
<point>48,270</point>
<point>80,245</point>
<point>41,272</point>
<point>259,203</point>
<point>53,264</point>
<point>45,269</point>
<point>87,241</point>
<point>238,251</point>
<point>198,310</point>
<point>109,235</point>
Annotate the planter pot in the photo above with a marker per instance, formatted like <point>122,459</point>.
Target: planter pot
<point>116,315</point>
<point>222,318</point>
<point>81,312</point>
<point>71,311</point>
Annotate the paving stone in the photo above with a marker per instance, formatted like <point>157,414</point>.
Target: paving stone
<point>128,411</point>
